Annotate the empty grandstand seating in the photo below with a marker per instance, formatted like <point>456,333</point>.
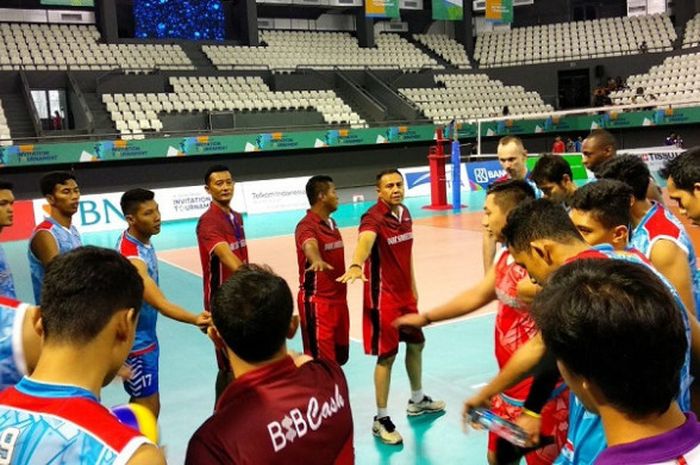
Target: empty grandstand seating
<point>4,129</point>
<point>52,46</point>
<point>575,40</point>
<point>319,50</point>
<point>692,32</point>
<point>677,79</point>
<point>466,97</point>
<point>449,49</point>
<point>134,113</point>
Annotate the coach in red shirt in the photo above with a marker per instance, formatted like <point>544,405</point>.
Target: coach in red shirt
<point>323,305</point>
<point>222,247</point>
<point>384,248</point>
<point>278,410</point>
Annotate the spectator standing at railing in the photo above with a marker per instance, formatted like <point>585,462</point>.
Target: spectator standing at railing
<point>558,146</point>
<point>674,139</point>
<point>57,121</point>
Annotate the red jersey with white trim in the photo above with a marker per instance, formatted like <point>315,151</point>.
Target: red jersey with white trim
<point>388,269</point>
<point>44,423</point>
<point>330,245</point>
<point>514,325</point>
<point>215,227</point>
<point>279,414</point>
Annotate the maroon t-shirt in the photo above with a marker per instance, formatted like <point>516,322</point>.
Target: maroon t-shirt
<point>330,245</point>
<point>214,227</point>
<point>388,268</point>
<point>279,415</point>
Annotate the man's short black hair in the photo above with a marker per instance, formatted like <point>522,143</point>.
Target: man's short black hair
<point>252,312</point>
<point>214,169</point>
<point>507,194</point>
<point>6,186</point>
<point>83,289</point>
<point>383,173</point>
<point>131,200</point>
<point>49,181</point>
<point>317,185</point>
<point>629,169</point>
<point>604,138</point>
<point>616,324</point>
<point>551,168</point>
<point>538,219</point>
<point>608,200</point>
<point>684,169</point>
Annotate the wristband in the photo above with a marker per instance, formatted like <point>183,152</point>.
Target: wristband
<point>531,414</point>
<point>355,265</point>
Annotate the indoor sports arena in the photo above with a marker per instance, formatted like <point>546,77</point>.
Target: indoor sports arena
<point>349,231</point>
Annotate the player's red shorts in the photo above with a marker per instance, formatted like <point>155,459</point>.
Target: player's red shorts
<point>555,423</point>
<point>380,336</point>
<point>325,328</point>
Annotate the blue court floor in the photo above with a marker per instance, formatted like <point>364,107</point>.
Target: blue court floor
<point>458,356</point>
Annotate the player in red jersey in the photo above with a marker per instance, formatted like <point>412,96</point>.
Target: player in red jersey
<point>323,305</point>
<point>508,283</point>
<point>88,326</point>
<point>278,410</point>
<point>222,247</point>
<point>384,247</point>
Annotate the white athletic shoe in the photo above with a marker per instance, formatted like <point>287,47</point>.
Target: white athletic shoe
<point>427,405</point>
<point>385,430</point>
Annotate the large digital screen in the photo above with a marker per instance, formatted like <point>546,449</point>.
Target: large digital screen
<point>179,19</point>
<point>68,2</point>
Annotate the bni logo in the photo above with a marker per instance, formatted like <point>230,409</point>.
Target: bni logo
<point>481,175</point>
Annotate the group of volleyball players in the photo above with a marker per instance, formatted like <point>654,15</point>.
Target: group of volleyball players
<point>596,331</point>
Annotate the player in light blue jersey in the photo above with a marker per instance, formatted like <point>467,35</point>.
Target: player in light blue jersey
<point>142,214</point>
<point>657,233</point>
<point>619,340</point>
<point>87,321</point>
<point>7,201</point>
<point>542,238</point>
<point>553,176</point>
<point>682,176</point>
<point>56,234</point>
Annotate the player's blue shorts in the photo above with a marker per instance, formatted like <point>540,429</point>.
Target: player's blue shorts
<point>144,372</point>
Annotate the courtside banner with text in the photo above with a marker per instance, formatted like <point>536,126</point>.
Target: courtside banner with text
<point>655,158</point>
<point>417,179</point>
<point>101,212</point>
<point>275,195</point>
<point>482,173</point>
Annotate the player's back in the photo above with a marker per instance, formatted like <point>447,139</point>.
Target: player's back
<point>66,239</point>
<point>42,424</point>
<point>660,224</point>
<point>12,364</point>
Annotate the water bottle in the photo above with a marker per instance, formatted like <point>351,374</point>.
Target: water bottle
<point>499,426</point>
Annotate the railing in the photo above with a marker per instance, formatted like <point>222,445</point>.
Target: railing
<point>567,58</point>
<point>33,113</point>
<point>658,104</point>
<point>81,100</point>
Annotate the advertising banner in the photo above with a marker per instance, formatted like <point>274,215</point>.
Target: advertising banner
<point>499,10</point>
<point>276,195</point>
<point>382,8</point>
<point>417,179</point>
<point>448,10</point>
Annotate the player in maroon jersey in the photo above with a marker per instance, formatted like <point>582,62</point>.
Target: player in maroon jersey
<point>278,410</point>
<point>384,248</point>
<point>222,246</point>
<point>323,305</point>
